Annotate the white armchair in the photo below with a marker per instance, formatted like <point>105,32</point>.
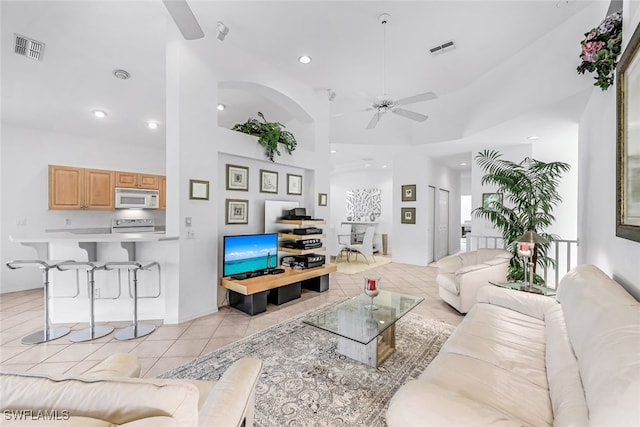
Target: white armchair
<point>460,276</point>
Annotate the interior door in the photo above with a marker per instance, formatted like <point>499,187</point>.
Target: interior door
<point>443,224</point>
<point>431,223</point>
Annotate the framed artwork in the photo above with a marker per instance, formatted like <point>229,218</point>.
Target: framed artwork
<point>409,193</point>
<point>294,184</point>
<point>628,141</point>
<point>268,181</point>
<point>237,178</point>
<point>237,211</point>
<point>489,200</point>
<point>407,215</point>
<point>198,190</point>
<point>322,199</point>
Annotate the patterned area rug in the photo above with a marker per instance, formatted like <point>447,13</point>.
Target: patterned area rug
<point>306,382</point>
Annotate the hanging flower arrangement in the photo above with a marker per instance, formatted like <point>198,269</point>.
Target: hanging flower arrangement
<point>600,50</point>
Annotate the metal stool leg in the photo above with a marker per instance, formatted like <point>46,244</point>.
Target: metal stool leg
<point>92,332</point>
<point>136,330</point>
<point>48,333</point>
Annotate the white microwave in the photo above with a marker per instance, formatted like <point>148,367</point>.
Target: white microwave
<point>128,198</point>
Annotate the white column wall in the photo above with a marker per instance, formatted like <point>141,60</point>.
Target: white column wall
<point>411,245</point>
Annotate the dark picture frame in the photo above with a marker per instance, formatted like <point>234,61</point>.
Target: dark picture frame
<point>236,211</point>
<point>237,178</point>
<point>488,200</point>
<point>198,189</point>
<point>268,181</point>
<point>322,199</point>
<point>407,215</point>
<point>628,141</point>
<point>294,184</point>
<point>409,193</point>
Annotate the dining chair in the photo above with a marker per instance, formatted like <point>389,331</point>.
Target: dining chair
<point>366,247</point>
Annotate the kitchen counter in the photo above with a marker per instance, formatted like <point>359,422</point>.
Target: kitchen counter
<point>68,301</point>
<point>65,236</point>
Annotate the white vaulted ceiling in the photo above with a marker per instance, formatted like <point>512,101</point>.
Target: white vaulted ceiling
<point>514,63</point>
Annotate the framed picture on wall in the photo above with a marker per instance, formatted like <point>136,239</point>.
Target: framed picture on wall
<point>198,190</point>
<point>491,200</point>
<point>322,199</point>
<point>237,178</point>
<point>237,211</point>
<point>407,215</point>
<point>268,181</point>
<point>294,184</point>
<point>409,193</point>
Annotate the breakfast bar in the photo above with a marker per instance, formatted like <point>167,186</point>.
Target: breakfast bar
<point>113,298</point>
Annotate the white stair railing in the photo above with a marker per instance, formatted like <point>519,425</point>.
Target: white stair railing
<point>563,252</point>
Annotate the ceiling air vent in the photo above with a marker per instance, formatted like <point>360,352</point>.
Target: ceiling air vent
<point>445,47</point>
<point>30,48</point>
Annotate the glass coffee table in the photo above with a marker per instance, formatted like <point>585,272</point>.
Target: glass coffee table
<point>522,286</point>
<point>366,335</point>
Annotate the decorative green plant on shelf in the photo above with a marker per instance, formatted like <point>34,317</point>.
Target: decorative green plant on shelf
<point>600,50</point>
<point>530,192</point>
<point>269,134</point>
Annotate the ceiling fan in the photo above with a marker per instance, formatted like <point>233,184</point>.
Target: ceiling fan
<point>184,18</point>
<point>385,104</point>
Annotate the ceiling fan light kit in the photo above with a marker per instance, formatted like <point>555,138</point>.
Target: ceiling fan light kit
<point>386,104</point>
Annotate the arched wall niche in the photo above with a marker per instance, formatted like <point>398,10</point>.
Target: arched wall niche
<point>244,99</point>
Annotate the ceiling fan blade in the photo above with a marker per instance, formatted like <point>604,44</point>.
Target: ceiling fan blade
<point>416,98</point>
<point>374,121</point>
<point>410,114</point>
<point>184,18</point>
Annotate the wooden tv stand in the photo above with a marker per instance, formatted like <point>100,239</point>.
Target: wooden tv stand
<point>250,295</point>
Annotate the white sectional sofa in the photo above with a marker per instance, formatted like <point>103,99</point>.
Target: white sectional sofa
<point>524,359</point>
<point>110,394</point>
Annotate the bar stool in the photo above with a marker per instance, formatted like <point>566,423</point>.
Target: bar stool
<point>48,333</point>
<point>136,330</point>
<point>92,332</point>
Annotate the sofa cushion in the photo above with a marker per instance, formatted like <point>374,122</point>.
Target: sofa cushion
<point>118,401</point>
<point>565,385</point>
<point>504,338</point>
<point>603,324</point>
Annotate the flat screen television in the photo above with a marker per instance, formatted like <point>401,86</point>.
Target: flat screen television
<point>249,252</point>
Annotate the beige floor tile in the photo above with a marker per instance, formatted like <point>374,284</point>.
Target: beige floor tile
<point>171,345</point>
<point>152,348</point>
<point>186,348</point>
<point>165,364</point>
<point>81,367</point>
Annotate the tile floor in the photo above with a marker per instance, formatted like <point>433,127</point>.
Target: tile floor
<point>172,345</point>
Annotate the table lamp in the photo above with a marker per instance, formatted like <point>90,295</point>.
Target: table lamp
<point>526,244</point>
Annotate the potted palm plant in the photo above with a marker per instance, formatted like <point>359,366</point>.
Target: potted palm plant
<point>530,192</point>
<point>269,134</point>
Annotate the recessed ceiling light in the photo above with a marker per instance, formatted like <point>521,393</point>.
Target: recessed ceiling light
<point>463,164</point>
<point>533,137</point>
<point>304,59</point>
<point>152,125</point>
<point>99,114</point>
<point>333,151</point>
<point>384,166</point>
<point>221,107</point>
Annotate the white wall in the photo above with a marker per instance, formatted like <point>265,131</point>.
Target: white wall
<point>597,184</point>
<point>346,181</point>
<point>410,243</point>
<point>26,154</point>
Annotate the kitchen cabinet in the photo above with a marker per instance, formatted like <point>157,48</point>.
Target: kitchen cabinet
<point>137,180</point>
<point>163,192</point>
<point>73,188</point>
